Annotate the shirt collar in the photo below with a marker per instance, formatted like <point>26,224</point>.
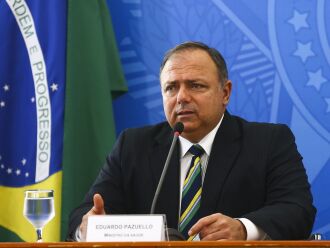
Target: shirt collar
<point>206,142</point>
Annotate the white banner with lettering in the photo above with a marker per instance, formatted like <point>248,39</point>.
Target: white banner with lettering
<point>116,228</point>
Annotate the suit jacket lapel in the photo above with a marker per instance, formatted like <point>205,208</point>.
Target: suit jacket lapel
<point>169,195</point>
<point>226,147</point>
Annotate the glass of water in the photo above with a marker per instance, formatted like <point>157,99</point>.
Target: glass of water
<point>39,209</point>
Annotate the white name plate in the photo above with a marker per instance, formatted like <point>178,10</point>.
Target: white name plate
<point>116,228</point>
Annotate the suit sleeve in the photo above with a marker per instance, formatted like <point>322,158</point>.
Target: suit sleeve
<point>288,212</point>
<point>109,184</point>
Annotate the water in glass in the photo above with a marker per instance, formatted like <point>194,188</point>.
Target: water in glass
<point>39,208</point>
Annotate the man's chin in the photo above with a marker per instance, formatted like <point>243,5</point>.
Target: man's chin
<point>189,125</point>
<point>188,128</point>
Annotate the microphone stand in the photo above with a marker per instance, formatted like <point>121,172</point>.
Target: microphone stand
<point>161,180</point>
<point>173,234</point>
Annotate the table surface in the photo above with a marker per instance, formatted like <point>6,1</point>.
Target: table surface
<point>213,244</point>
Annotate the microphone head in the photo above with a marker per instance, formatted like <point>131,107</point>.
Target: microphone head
<point>178,128</point>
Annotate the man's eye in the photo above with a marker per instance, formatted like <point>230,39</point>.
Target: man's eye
<point>197,86</point>
<point>169,88</point>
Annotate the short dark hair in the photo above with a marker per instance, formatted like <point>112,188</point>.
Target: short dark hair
<point>215,55</point>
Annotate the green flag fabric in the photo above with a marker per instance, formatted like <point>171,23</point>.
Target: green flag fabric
<point>94,77</point>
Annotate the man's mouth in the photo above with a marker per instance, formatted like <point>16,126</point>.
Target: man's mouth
<point>185,113</point>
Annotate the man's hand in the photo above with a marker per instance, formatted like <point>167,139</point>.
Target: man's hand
<point>218,227</point>
<point>97,209</point>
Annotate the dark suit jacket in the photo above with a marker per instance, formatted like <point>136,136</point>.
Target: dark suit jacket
<point>254,171</point>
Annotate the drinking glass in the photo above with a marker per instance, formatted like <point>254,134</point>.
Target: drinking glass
<point>39,209</point>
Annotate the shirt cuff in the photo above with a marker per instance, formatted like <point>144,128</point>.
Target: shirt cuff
<point>252,231</point>
<point>77,235</point>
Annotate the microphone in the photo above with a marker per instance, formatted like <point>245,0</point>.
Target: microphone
<point>173,234</point>
<point>177,129</point>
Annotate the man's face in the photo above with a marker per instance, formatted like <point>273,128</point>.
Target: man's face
<point>192,93</point>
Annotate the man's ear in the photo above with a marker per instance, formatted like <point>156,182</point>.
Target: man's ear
<point>226,91</point>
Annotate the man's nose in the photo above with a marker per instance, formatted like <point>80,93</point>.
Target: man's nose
<point>183,95</point>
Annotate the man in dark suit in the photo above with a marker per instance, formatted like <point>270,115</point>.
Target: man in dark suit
<point>254,185</point>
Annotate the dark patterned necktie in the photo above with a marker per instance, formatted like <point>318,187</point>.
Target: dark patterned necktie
<point>191,192</point>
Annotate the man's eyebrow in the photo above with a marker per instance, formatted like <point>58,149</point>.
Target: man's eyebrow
<point>189,81</point>
<point>170,82</point>
<point>193,80</point>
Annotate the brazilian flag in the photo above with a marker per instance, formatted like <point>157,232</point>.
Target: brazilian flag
<point>59,72</point>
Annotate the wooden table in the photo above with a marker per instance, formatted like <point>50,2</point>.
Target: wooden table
<point>172,244</point>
